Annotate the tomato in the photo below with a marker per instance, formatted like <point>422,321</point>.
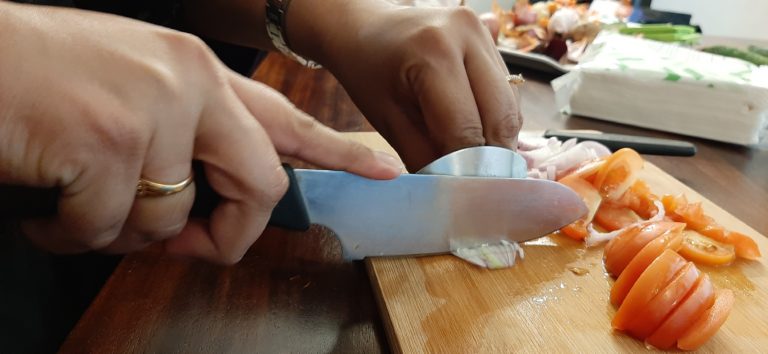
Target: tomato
<point>700,298</point>
<point>630,242</point>
<point>618,174</point>
<point>591,198</point>
<point>642,260</point>
<point>640,199</point>
<point>587,171</point>
<point>744,245</point>
<point>709,322</point>
<point>704,250</point>
<point>664,302</point>
<point>612,217</point>
<point>650,282</point>
<point>679,209</point>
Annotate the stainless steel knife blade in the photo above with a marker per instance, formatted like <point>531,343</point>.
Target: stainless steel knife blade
<point>425,214</point>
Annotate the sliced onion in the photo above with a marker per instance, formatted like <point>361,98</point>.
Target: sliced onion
<point>596,237</point>
<point>501,255</point>
<point>550,154</point>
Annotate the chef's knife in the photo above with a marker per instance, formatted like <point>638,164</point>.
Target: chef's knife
<point>410,215</point>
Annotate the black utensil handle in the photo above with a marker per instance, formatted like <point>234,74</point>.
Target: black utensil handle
<point>18,202</point>
<point>641,144</point>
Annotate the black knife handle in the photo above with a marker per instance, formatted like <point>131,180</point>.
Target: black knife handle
<point>17,202</point>
<point>641,144</point>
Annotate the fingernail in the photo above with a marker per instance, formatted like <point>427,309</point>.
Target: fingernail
<point>389,160</point>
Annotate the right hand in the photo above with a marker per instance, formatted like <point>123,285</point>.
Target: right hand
<point>92,102</point>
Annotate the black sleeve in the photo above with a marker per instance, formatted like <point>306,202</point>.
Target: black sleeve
<point>161,12</point>
<point>167,13</point>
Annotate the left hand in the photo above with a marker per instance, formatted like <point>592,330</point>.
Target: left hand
<point>430,80</point>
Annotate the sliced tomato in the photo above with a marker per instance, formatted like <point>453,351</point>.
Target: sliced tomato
<point>639,199</point>
<point>744,245</point>
<point>629,243</point>
<point>592,199</point>
<point>709,322</point>
<point>613,217</point>
<point>664,302</point>
<point>698,300</point>
<point>704,250</point>
<point>642,260</point>
<point>651,282</point>
<point>678,209</point>
<point>692,214</point>
<point>618,174</point>
<point>588,170</point>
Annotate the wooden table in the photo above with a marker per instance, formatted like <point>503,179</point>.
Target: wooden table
<point>292,292</point>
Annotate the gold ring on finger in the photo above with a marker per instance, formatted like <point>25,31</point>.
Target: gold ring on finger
<point>147,188</point>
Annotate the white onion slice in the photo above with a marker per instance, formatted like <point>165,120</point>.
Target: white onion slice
<point>544,155</point>
<point>596,237</point>
<point>501,255</point>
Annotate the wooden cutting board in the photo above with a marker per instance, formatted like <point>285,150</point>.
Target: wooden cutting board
<point>441,304</point>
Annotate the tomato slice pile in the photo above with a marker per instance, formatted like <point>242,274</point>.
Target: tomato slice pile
<point>660,294</point>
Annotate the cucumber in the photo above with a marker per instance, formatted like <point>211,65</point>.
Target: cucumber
<point>751,57</point>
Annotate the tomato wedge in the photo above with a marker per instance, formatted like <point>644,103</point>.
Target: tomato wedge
<point>744,245</point>
<point>704,250</point>
<point>642,260</point>
<point>629,243</point>
<point>664,302</point>
<point>578,229</point>
<point>619,173</point>
<point>639,199</point>
<point>700,298</point>
<point>651,282</point>
<point>709,322</point>
<point>678,209</point>
<point>613,217</point>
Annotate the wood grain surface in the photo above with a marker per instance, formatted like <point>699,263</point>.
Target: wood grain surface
<point>293,294</point>
<point>441,304</point>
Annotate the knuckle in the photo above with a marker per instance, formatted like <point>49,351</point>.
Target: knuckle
<point>471,135</point>
<point>304,124</point>
<point>193,51</point>
<point>434,40</point>
<point>463,136</point>
<point>506,127</point>
<point>465,17</point>
<point>118,133</point>
<point>277,186</point>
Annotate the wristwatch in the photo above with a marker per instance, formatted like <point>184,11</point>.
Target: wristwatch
<point>275,20</point>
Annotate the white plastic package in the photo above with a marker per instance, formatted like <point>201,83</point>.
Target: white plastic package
<point>662,86</point>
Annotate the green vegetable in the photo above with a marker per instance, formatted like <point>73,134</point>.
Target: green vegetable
<point>759,50</point>
<point>673,37</point>
<point>751,57</point>
<point>663,32</point>
<point>658,29</point>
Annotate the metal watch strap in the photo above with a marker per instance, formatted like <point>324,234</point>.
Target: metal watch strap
<point>275,20</point>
